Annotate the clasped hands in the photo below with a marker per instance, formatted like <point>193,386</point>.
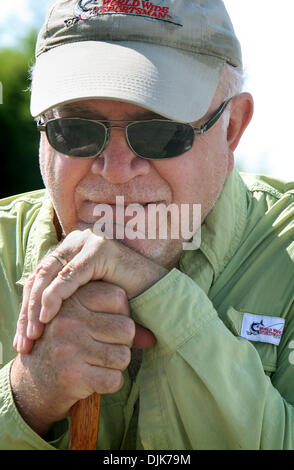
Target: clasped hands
<point>79,313</point>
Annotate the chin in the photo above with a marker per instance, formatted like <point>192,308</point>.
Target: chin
<point>166,253</point>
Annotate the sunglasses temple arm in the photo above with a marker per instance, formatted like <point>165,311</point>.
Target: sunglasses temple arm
<point>213,119</point>
<point>40,125</point>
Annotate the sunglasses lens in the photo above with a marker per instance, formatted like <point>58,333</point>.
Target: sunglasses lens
<point>76,137</point>
<point>157,140</point>
<point>154,140</point>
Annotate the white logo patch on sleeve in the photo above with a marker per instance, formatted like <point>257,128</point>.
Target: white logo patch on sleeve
<point>262,328</point>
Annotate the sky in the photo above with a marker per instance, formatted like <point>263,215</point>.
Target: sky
<point>265,30</point>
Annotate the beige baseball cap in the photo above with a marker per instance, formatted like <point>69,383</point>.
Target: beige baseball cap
<point>164,55</point>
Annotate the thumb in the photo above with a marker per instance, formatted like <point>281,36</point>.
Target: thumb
<point>143,339</point>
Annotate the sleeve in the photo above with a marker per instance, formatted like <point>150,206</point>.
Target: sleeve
<point>201,386</point>
<point>15,434</point>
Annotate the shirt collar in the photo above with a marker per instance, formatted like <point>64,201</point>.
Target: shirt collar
<point>221,233</point>
<point>42,238</point>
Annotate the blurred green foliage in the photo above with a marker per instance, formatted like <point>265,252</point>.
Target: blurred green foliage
<point>19,137</point>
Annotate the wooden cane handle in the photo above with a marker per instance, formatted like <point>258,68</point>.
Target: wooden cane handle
<point>84,423</point>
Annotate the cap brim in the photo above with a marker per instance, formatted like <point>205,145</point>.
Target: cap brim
<point>173,83</point>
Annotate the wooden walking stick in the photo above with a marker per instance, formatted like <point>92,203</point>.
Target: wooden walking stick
<point>85,423</point>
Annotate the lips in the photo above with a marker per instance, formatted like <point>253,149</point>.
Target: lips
<point>90,211</point>
<point>138,204</point>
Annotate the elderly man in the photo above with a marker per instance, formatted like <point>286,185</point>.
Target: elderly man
<point>189,348</point>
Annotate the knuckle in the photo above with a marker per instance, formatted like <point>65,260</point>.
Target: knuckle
<point>114,356</point>
<point>67,273</point>
<point>106,355</point>
<point>30,281</point>
<point>128,329</point>
<point>22,321</point>
<point>94,241</point>
<point>43,270</point>
<point>76,239</point>
<point>21,328</point>
<point>34,305</point>
<point>111,382</point>
<point>125,357</point>
<point>93,246</point>
<point>46,297</point>
<point>60,326</point>
<point>31,277</point>
<point>87,233</point>
<point>74,235</point>
<point>120,299</point>
<point>116,381</point>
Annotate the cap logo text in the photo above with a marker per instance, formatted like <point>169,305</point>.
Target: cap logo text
<point>152,10</point>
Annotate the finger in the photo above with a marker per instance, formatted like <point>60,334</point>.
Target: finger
<point>60,289</point>
<point>67,251</point>
<point>47,270</point>
<point>21,343</point>
<point>73,243</point>
<point>111,356</point>
<point>78,272</point>
<point>102,380</point>
<point>83,379</point>
<point>144,339</point>
<point>29,326</point>
<point>111,329</point>
<point>100,296</point>
<point>45,273</point>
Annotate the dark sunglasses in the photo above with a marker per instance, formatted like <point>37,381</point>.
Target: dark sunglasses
<point>154,139</point>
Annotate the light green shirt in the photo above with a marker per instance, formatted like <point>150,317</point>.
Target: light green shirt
<point>202,386</point>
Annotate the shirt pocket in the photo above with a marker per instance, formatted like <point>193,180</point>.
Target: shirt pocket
<point>268,353</point>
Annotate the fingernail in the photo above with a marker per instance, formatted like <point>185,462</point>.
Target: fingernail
<point>15,340</point>
<point>20,344</point>
<point>31,330</point>
<point>43,315</point>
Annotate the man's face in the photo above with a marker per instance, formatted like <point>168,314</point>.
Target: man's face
<point>77,185</point>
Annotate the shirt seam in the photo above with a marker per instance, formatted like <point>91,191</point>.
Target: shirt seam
<point>160,287</point>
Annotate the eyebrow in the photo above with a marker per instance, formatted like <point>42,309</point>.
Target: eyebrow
<point>76,108</point>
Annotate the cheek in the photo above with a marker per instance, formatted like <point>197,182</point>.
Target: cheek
<point>197,177</point>
<point>186,175</point>
<point>60,172</point>
<point>212,173</point>
<point>61,175</point>
<point>45,158</point>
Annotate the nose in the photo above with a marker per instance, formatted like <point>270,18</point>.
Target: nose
<point>117,163</point>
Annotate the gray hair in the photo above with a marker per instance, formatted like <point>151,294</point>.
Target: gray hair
<point>231,84</point>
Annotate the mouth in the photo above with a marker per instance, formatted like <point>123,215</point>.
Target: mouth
<point>122,203</point>
<point>91,211</point>
<point>138,204</point>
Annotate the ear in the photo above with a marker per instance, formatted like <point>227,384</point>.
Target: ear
<point>241,113</point>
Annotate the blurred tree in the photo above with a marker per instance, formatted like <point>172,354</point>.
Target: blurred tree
<point>19,137</point>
